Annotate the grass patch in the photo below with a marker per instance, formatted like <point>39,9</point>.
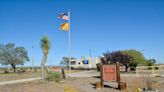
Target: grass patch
<point>53,76</point>
<point>69,89</point>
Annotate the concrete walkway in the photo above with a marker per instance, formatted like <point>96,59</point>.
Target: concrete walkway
<point>19,81</point>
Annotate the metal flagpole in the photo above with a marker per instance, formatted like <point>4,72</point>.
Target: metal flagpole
<point>69,41</point>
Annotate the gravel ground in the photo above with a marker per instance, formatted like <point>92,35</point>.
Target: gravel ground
<point>82,85</point>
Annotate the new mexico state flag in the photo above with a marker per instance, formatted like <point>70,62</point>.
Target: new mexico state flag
<point>64,26</point>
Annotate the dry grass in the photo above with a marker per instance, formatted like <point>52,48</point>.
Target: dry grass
<point>72,71</point>
<point>16,76</point>
<point>68,88</point>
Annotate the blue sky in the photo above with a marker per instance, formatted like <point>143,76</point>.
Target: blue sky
<point>97,24</point>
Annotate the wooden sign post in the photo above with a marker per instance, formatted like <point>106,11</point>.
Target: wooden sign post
<point>111,72</point>
<point>108,73</point>
<point>118,73</point>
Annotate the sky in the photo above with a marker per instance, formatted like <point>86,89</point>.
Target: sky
<point>99,25</point>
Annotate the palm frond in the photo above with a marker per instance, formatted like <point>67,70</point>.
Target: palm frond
<point>45,43</point>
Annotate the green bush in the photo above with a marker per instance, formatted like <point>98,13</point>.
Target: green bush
<point>156,68</point>
<point>132,68</point>
<point>6,71</point>
<point>53,76</point>
<point>23,70</point>
<point>149,68</point>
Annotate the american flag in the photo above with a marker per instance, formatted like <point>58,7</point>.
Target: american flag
<point>64,16</point>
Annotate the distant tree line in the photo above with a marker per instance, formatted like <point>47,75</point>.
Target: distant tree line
<point>130,58</point>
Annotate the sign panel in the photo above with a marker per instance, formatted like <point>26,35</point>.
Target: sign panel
<point>109,72</point>
<point>55,69</point>
<point>85,62</point>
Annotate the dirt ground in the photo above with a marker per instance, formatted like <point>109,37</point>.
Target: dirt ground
<point>82,85</point>
<point>16,76</point>
<point>25,75</point>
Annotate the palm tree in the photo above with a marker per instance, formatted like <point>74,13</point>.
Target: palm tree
<point>45,45</point>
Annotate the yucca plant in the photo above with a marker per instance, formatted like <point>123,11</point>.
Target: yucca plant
<point>45,46</point>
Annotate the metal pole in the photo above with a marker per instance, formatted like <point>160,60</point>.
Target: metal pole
<point>90,59</point>
<point>69,40</point>
<point>32,64</point>
<point>90,53</point>
<point>32,60</point>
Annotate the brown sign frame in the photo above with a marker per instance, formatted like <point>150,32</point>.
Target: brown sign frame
<point>117,74</point>
<point>109,73</point>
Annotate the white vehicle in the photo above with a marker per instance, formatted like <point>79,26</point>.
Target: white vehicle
<point>85,63</point>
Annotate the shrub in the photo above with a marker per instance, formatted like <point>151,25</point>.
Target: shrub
<point>23,70</point>
<point>149,68</point>
<point>132,68</point>
<point>53,76</point>
<point>156,68</point>
<point>6,71</point>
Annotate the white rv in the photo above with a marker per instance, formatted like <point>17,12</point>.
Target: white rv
<point>85,63</point>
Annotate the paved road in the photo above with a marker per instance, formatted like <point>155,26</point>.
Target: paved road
<point>87,73</point>
<point>92,73</point>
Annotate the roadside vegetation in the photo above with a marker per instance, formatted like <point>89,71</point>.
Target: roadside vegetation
<point>130,58</point>
<point>11,55</point>
<point>45,46</point>
<point>65,61</point>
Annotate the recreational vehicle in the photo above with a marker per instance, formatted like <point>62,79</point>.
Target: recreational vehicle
<point>85,63</point>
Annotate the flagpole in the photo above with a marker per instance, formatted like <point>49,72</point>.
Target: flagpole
<point>69,40</point>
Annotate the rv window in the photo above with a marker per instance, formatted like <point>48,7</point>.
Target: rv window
<point>73,62</point>
<point>85,62</point>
